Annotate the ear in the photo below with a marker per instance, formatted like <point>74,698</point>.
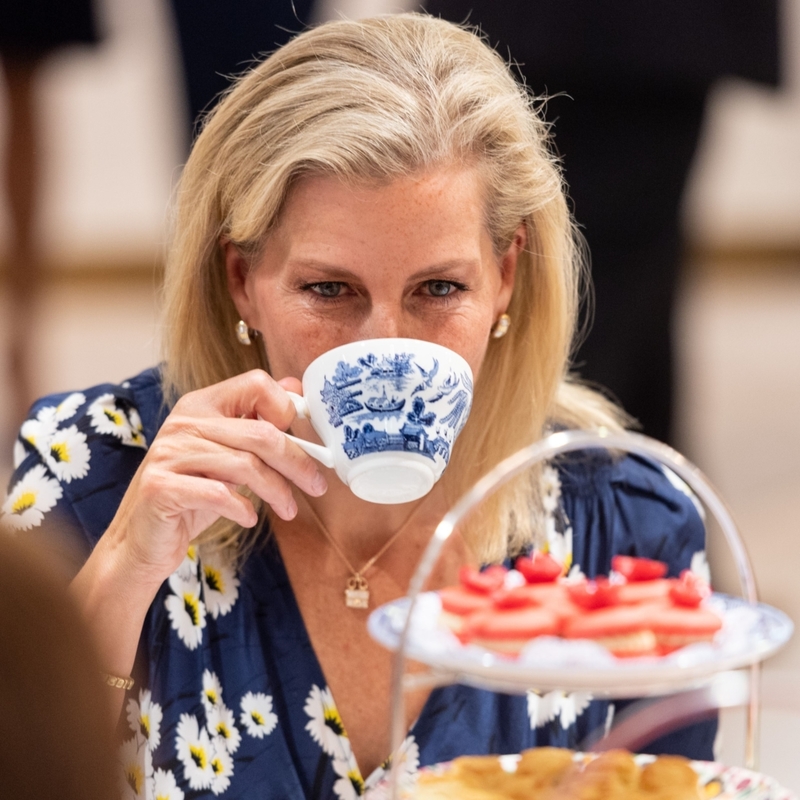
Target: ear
<point>508,269</point>
<point>237,269</point>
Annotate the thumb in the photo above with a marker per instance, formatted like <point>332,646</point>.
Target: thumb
<point>291,385</point>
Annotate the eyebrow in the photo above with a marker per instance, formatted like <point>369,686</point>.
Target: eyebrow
<point>336,271</point>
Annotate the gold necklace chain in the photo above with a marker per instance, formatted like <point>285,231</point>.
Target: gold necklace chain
<point>356,593</point>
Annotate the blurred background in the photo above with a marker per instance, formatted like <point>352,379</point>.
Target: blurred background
<point>113,130</point>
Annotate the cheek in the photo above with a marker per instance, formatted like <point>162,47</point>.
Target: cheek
<point>471,340</point>
<point>477,357</point>
<point>293,340</point>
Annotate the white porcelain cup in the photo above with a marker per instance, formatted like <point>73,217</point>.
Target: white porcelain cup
<point>388,412</point>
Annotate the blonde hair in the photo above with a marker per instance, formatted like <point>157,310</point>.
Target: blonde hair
<point>373,100</point>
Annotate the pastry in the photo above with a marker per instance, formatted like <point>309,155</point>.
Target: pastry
<point>678,626</point>
<point>624,630</point>
<point>458,603</point>
<point>644,591</point>
<point>644,614</point>
<point>508,631</point>
<point>549,773</point>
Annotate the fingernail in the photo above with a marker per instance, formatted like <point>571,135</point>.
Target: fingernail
<point>291,509</point>
<point>319,485</point>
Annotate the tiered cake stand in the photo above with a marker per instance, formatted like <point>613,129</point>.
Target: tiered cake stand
<point>405,627</point>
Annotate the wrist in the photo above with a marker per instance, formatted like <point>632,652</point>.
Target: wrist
<point>114,596</point>
<point>118,574</point>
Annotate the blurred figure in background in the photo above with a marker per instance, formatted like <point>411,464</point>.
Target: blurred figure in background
<point>220,39</point>
<point>55,724</point>
<point>29,32</point>
<point>631,81</point>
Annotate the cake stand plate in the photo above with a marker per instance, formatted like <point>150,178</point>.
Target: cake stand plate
<point>750,633</point>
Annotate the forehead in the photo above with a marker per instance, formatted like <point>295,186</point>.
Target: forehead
<point>440,213</point>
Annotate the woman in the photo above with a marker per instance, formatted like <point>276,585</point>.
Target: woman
<point>370,179</point>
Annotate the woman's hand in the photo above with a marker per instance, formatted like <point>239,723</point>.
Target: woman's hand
<point>214,440</point>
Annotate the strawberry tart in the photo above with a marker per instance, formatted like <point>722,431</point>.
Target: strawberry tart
<point>636,612</point>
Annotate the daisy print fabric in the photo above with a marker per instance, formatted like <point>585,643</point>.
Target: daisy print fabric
<point>109,415</point>
<point>31,498</point>
<point>55,446</point>
<point>230,700</point>
<point>326,728</point>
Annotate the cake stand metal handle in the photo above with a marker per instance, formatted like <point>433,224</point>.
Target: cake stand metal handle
<point>551,446</point>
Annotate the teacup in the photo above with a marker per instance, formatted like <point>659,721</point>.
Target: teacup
<point>388,412</point>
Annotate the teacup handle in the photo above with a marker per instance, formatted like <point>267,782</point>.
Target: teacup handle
<point>322,454</point>
<point>300,405</point>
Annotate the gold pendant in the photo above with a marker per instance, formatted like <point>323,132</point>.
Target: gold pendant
<point>356,595</point>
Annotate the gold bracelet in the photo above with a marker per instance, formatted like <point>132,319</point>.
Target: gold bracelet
<point>117,683</point>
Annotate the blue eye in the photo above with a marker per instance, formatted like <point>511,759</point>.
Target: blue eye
<point>327,288</point>
<point>441,288</point>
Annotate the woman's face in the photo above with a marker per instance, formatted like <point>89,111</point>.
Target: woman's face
<point>411,258</point>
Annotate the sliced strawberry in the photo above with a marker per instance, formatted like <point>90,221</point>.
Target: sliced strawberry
<point>689,590</point>
<point>597,593</point>
<point>516,597</point>
<point>485,582</point>
<point>638,569</point>
<point>539,568</point>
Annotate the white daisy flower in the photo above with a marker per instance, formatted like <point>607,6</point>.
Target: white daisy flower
<point>38,432</point>
<point>191,561</point>
<point>257,716</point>
<point>559,545</point>
<point>699,566</point>
<point>64,410</point>
<point>212,691</point>
<point>408,764</point>
<point>575,574</point>
<point>136,768</point>
<point>326,727</point>
<point>222,768</point>
<point>19,453</point>
<point>349,785</point>
<point>220,584</point>
<point>187,612</point>
<point>68,454</point>
<point>31,498</point>
<point>145,718</point>
<point>193,748</point>
<point>683,487</point>
<point>551,489</point>
<point>221,725</point>
<point>572,706</point>
<point>162,786</point>
<point>136,435</point>
<point>47,414</point>
<point>107,417</point>
<point>543,708</point>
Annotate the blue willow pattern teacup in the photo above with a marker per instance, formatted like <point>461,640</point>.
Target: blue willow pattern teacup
<point>388,412</point>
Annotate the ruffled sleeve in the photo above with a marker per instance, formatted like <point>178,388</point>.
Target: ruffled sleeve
<point>629,506</point>
<point>74,458</point>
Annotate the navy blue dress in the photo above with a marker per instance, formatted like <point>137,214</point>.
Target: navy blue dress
<point>230,699</point>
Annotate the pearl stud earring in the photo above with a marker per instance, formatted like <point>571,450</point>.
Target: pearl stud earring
<point>242,332</point>
<point>500,328</point>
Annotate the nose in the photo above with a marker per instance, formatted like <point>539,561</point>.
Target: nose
<point>385,321</point>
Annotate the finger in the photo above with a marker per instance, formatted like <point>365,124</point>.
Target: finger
<point>187,494</point>
<point>251,394</point>
<point>238,468</point>
<point>266,445</point>
<point>291,385</point>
